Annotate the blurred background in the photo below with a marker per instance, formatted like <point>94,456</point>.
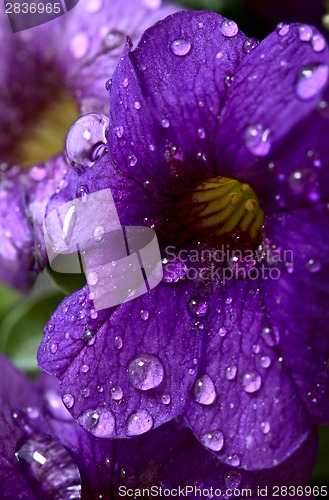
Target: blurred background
<point>22,318</point>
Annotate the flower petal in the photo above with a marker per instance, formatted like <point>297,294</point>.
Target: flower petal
<point>242,404</point>
<point>132,365</point>
<point>297,303</point>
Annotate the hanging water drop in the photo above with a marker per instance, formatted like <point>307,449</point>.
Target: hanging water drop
<point>146,372</point>
<point>251,382</point>
<point>213,440</point>
<point>229,28</point>
<point>100,422</point>
<point>204,390</point>
<point>139,422</point>
<point>311,80</point>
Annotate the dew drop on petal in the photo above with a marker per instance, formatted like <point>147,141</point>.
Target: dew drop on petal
<point>234,460</point>
<point>180,47</point>
<point>229,28</point>
<point>305,33</point>
<point>146,372</point>
<point>99,421</point>
<point>318,42</point>
<point>282,29</point>
<point>118,342</point>
<point>230,372</point>
<point>132,160</point>
<point>82,192</point>
<point>98,233</point>
<point>222,332</point>
<point>265,361</point>
<point>204,390</point>
<point>257,140</point>
<point>144,314</point>
<point>311,80</point>
<point>119,131</point>
<point>116,393</point>
<point>213,440</point>
<point>85,368</point>
<point>68,400</point>
<point>139,422</point>
<point>49,468</point>
<point>201,133</point>
<point>198,308</point>
<point>166,399</point>
<point>54,347</point>
<point>251,382</point>
<point>232,479</point>
<point>313,265</point>
<point>86,141</point>
<point>265,427</point>
<point>137,105</point>
<point>271,336</point>
<point>249,45</point>
<point>165,123</point>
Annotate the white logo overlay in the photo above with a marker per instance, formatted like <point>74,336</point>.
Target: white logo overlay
<point>85,236</point>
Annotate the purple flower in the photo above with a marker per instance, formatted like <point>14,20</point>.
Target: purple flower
<point>229,149</point>
<point>46,454</point>
<point>49,75</point>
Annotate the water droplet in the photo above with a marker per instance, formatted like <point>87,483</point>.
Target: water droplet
<point>232,479</point>
<point>137,105</point>
<point>228,80</point>
<point>230,372</point>
<point>116,393</point>
<point>118,343</point>
<point>132,160</point>
<point>271,336</point>
<point>98,233</point>
<point>82,192</point>
<point>229,28</point>
<point>234,460</point>
<point>139,422</point>
<point>201,133</point>
<point>54,347</point>
<point>222,331</point>
<point>146,372</point>
<point>180,47</point>
<point>49,468</point>
<point>79,45</point>
<point>144,314</point>
<point>257,140</point>
<point>213,440</point>
<point>100,389</point>
<point>114,39</point>
<point>318,42</point>
<point>265,361</point>
<point>85,392</point>
<point>204,390</point>
<point>87,335</point>
<point>100,422</point>
<point>313,265</point>
<point>265,427</point>
<point>305,32</point>
<point>166,399</point>
<point>197,308</point>
<point>311,80</point>
<point>251,382</point>
<point>282,29</point>
<point>249,45</point>
<point>85,368</point>
<point>119,131</point>
<point>108,84</point>
<point>173,271</point>
<point>86,141</point>
<point>68,400</point>
<point>165,123</point>
<point>92,278</point>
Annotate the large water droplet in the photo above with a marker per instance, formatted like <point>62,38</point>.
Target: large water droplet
<point>265,427</point>
<point>146,372</point>
<point>116,393</point>
<point>180,47</point>
<point>165,123</point>
<point>251,382</point>
<point>166,399</point>
<point>229,28</point>
<point>49,468</point>
<point>100,422</point>
<point>139,422</point>
<point>257,140</point>
<point>213,440</point>
<point>305,32</point>
<point>265,362</point>
<point>86,141</point>
<point>198,308</point>
<point>318,42</point>
<point>204,390</point>
<point>230,372</point>
<point>311,80</point>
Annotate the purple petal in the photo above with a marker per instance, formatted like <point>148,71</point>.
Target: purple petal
<point>244,405</point>
<point>166,96</point>
<point>297,303</point>
<point>278,86</point>
<point>131,368</point>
